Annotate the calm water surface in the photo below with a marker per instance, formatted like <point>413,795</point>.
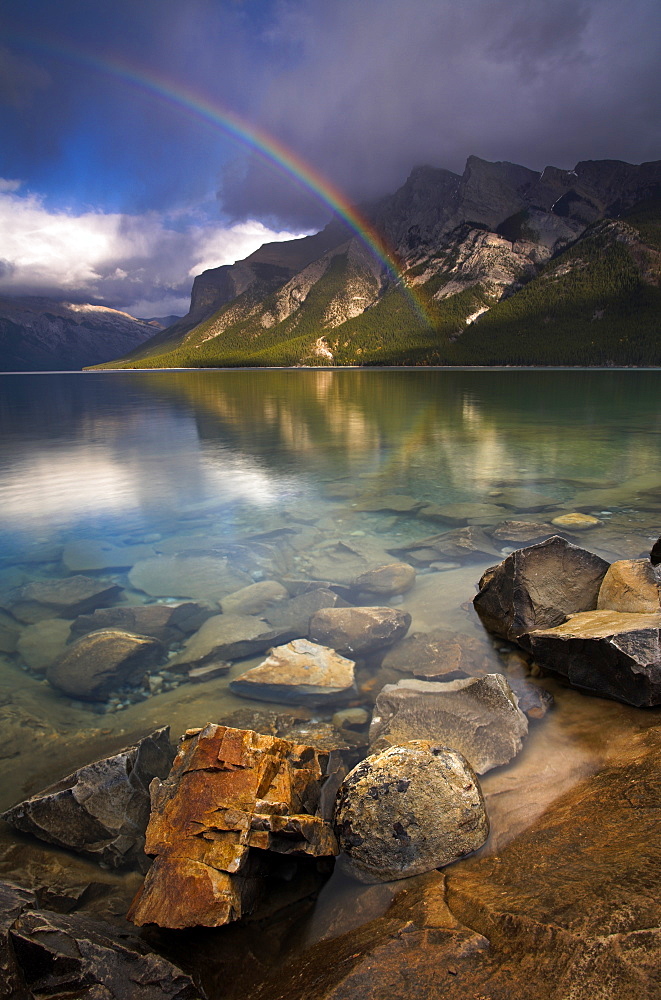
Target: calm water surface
<point>194,462</point>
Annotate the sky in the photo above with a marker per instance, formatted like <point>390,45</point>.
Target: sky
<point>143,141</point>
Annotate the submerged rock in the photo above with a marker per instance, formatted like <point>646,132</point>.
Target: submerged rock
<point>576,521</point>
<point>198,577</point>
<point>228,637</point>
<point>393,578</point>
<point>229,791</point>
<point>462,513</point>
<point>442,655</point>
<point>395,503</point>
<point>537,587</point>
<point>102,809</point>
<point>478,716</point>
<point>630,585</point>
<point>254,598</point>
<point>101,662</point>
<point>64,598</point>
<point>358,631</point>
<point>609,653</point>
<point>300,672</point>
<point>522,532</point>
<point>42,643</point>
<point>167,622</point>
<point>45,954</point>
<point>295,614</point>
<point>459,543</point>
<point>85,554</point>
<point>408,810</point>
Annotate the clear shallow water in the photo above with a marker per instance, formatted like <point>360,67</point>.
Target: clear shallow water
<point>197,461</point>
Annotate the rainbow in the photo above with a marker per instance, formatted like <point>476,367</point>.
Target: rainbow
<point>257,139</point>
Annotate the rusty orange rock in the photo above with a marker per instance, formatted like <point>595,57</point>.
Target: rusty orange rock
<point>231,796</point>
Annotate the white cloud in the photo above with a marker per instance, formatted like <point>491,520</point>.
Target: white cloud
<point>139,263</point>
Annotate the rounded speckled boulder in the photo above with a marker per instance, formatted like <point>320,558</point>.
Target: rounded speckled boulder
<point>407,810</point>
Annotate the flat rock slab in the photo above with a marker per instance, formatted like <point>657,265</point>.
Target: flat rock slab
<point>85,554</point>
<point>295,614</point>
<point>229,791</point>
<point>442,655</point>
<point>102,809</point>
<point>229,637</point>
<point>199,577</point>
<point>254,599</point>
<point>101,662</point>
<point>458,543</point>
<point>359,631</point>
<point>166,622</point>
<point>630,585</point>
<point>462,513</point>
<point>478,716</point>
<point>393,578</point>
<point>392,503</point>
<point>587,923</point>
<point>63,598</point>
<point>609,653</point>
<point>301,672</point>
<point>525,500</point>
<point>537,587</point>
<point>46,954</point>
<point>408,810</point>
<point>522,532</point>
<point>41,644</point>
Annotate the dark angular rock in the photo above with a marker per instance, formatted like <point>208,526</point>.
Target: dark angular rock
<point>442,655</point>
<point>609,653</point>
<point>102,809</point>
<point>64,598</point>
<point>47,955</point>
<point>408,810</point>
<point>166,622</point>
<point>358,631</point>
<point>103,661</point>
<point>537,587</point>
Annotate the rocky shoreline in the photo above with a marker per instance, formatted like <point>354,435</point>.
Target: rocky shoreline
<point>245,825</point>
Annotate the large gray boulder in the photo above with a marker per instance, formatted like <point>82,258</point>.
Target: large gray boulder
<point>104,661</point>
<point>408,810</point>
<point>102,809</point>
<point>359,631</point>
<point>478,716</point>
<point>538,587</point>
<point>167,622</point>
<point>609,653</point>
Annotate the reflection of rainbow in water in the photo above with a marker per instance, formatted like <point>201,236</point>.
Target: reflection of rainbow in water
<point>266,145</point>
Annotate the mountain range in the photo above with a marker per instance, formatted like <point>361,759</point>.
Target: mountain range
<point>498,265</point>
<point>41,334</point>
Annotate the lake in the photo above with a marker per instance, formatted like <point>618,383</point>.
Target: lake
<point>301,476</point>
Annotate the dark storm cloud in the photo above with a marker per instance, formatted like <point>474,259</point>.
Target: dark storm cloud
<point>380,86</point>
<point>20,78</point>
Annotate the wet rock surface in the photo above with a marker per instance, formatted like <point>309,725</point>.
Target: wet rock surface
<point>166,622</point>
<point>393,578</point>
<point>537,587</point>
<point>358,631</point>
<point>229,637</point>
<point>103,661</point>
<point>408,810</point>
<point>198,577</point>
<point>477,716</point>
<point>102,809</point>
<point>443,655</point>
<point>45,954</point>
<point>522,532</point>
<point>230,791</point>
<point>463,544</point>
<point>254,599</point>
<point>609,653</point>
<point>41,644</point>
<point>64,598</point>
<point>302,672</point>
<point>294,615</point>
